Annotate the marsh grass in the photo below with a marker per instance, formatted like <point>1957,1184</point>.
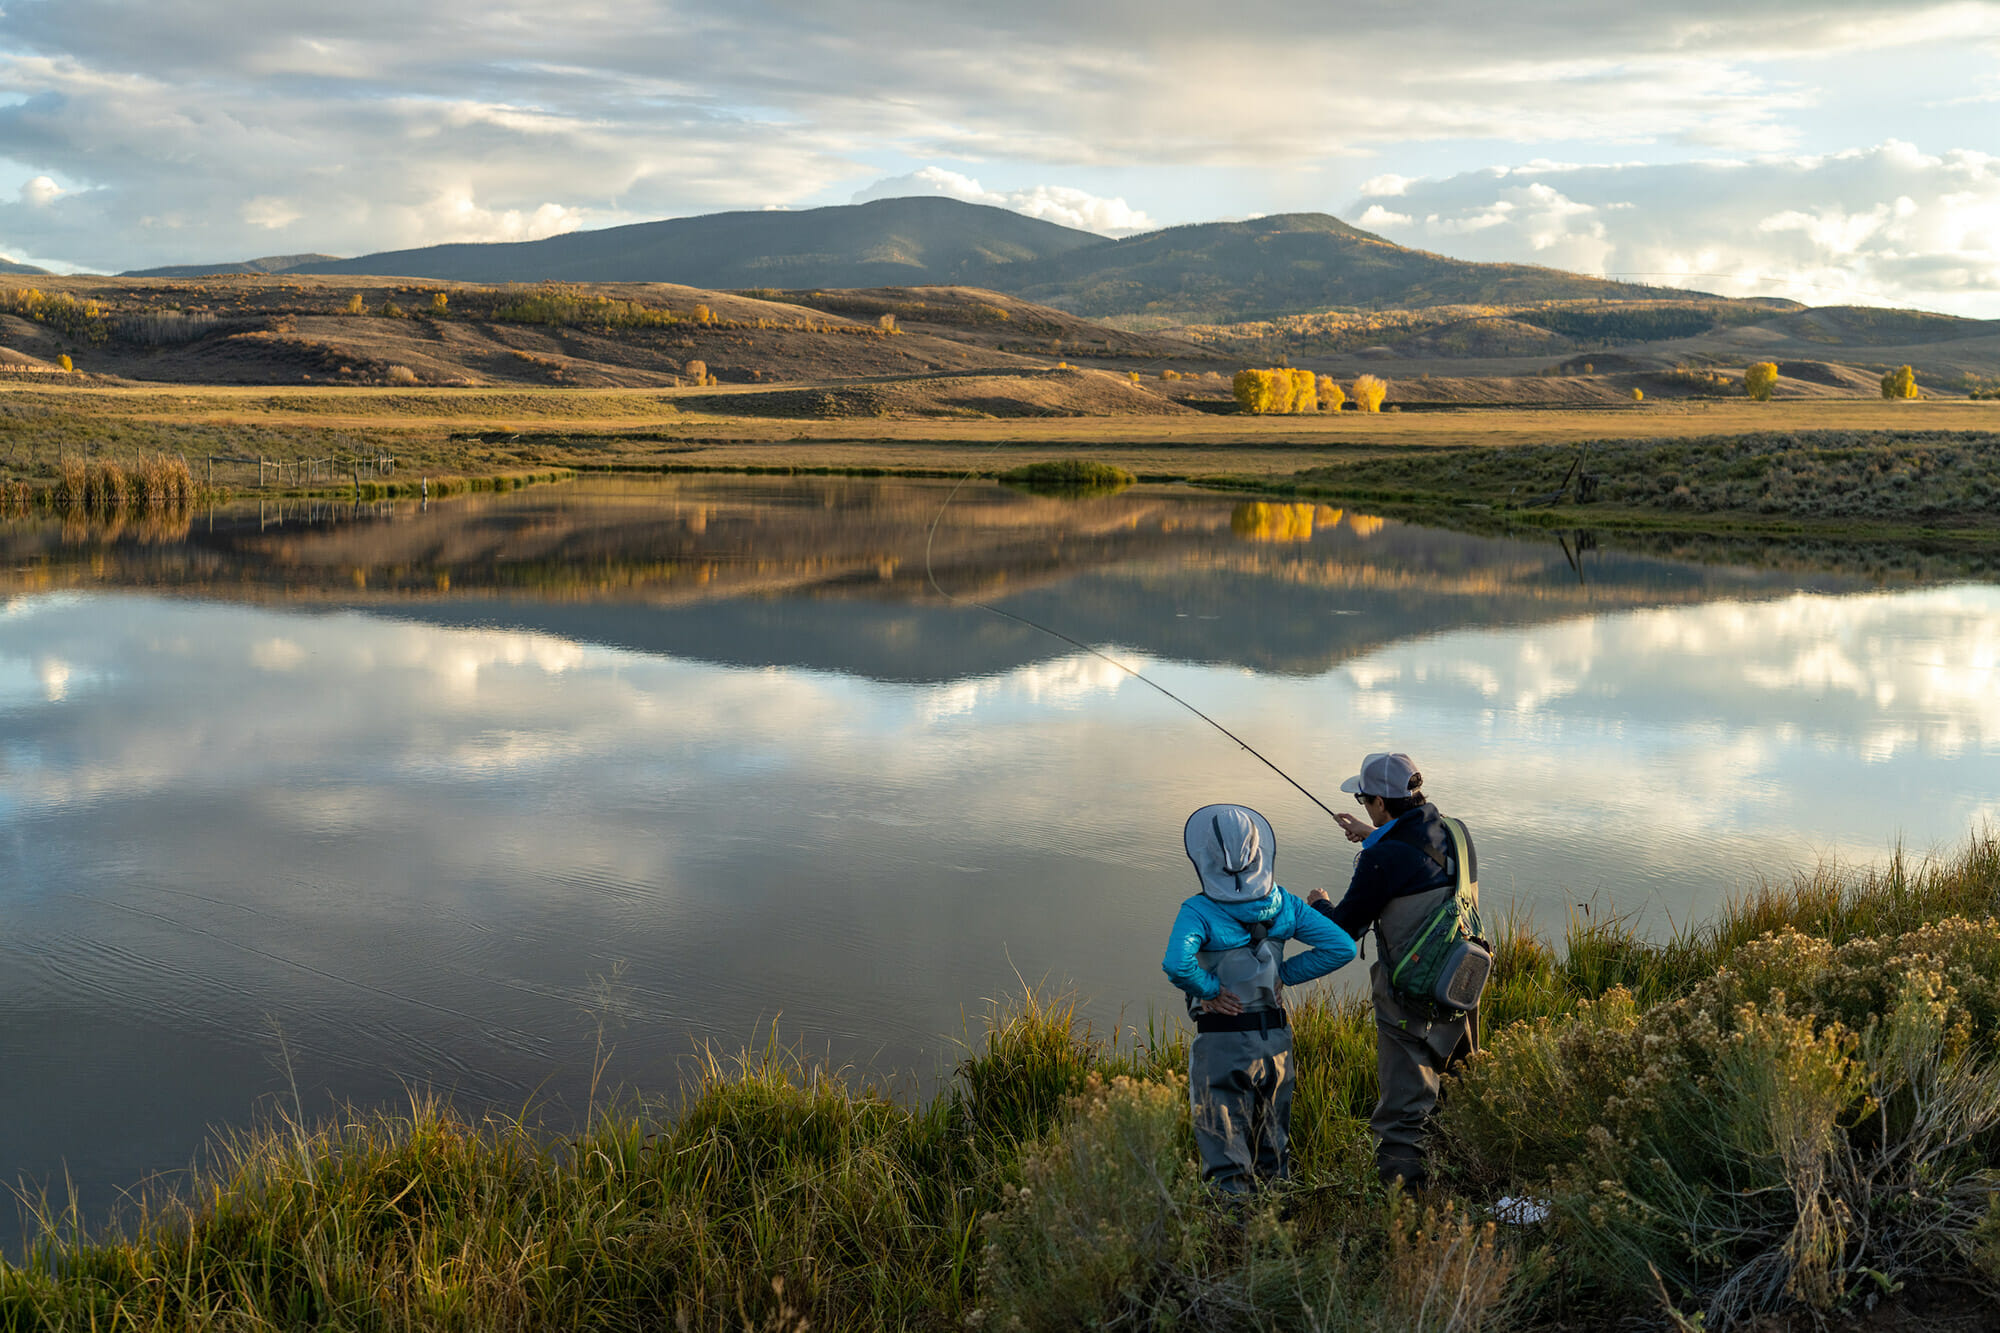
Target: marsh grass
<point>1804,475</point>
<point>1070,476</point>
<point>1049,1182</point>
<point>153,484</point>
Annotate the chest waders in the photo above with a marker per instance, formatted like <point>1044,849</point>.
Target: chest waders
<point>1249,971</point>
<point>1240,1070</point>
<point>1427,981</point>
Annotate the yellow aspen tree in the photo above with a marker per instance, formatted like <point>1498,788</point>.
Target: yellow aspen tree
<point>1638,395</point>
<point>1900,383</point>
<point>1280,391</point>
<point>1305,391</point>
<point>1331,395</point>
<point>1760,379</point>
<point>1369,391</point>
<point>1250,391</point>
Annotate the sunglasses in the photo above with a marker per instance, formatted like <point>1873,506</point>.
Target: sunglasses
<point>1362,798</point>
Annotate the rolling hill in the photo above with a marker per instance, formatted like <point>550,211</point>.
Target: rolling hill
<point>1285,264</point>
<point>267,265</point>
<point>890,242</point>
<point>1210,272</point>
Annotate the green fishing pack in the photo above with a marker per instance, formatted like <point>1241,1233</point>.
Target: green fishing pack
<point>1447,963</point>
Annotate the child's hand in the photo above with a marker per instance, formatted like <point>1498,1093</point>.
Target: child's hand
<point>1223,1003</point>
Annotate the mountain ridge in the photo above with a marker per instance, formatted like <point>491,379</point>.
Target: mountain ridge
<point>1200,272</point>
<point>887,242</point>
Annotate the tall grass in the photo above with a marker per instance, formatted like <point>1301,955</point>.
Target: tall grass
<point>1070,476</point>
<point>1049,1183</point>
<point>159,482</point>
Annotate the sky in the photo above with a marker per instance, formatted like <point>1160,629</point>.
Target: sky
<point>1830,152</point>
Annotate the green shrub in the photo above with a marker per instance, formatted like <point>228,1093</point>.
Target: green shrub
<point>1111,1227</point>
<point>1811,1119</point>
<point>555,304</point>
<point>1109,1212</point>
<point>1070,476</point>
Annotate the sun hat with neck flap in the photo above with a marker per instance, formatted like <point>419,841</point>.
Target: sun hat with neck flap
<point>1234,852</point>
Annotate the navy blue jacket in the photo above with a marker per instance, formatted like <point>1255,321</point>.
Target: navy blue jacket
<point>1395,865</point>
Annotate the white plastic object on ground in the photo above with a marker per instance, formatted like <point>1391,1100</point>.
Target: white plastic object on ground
<point>1520,1212</point>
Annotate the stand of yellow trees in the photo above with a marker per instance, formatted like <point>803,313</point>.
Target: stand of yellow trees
<point>1277,391</point>
<point>1280,391</point>
<point>1900,383</point>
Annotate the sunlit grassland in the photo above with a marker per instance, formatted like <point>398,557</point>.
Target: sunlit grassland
<point>1660,468</point>
<point>1142,442</point>
<point>1049,1183</point>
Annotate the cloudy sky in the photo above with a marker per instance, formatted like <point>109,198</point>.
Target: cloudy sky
<point>1820,149</point>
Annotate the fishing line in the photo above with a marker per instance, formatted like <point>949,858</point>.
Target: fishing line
<point>1102,656</point>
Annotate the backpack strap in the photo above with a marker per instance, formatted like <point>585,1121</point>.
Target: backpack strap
<point>1467,888</point>
<point>1409,840</point>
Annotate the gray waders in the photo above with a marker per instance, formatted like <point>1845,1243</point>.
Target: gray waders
<point>1416,1045</point>
<point>1240,1073</point>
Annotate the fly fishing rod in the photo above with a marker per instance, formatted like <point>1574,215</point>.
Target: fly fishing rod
<point>1140,676</point>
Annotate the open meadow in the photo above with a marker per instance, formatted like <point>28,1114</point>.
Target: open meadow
<point>247,441</point>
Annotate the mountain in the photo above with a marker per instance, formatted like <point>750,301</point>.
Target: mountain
<point>269,264</point>
<point>25,270</point>
<point>890,242</point>
<point>1285,264</point>
<point>1210,272</point>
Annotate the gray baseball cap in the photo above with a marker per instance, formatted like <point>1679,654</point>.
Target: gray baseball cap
<point>1234,851</point>
<point>1386,775</point>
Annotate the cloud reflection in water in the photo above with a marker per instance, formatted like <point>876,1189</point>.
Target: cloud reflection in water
<point>413,847</point>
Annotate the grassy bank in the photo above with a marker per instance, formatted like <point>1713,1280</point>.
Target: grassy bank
<point>1914,483</point>
<point>1790,1107</point>
<point>473,430</point>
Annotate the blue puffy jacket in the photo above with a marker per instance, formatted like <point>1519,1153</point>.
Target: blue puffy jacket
<point>1204,923</point>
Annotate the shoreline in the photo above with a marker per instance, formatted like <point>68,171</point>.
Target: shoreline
<point>777,1186</point>
<point>1459,462</point>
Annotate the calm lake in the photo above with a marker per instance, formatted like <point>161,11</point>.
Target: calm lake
<point>350,802</point>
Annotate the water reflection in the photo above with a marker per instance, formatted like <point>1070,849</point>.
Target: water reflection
<point>400,785</point>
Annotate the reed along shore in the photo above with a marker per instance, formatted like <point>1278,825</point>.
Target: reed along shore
<point>1790,1111</point>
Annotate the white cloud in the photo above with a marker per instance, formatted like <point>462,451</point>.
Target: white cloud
<point>1833,230</point>
<point>1378,216</point>
<point>41,192</point>
<point>1051,203</point>
<point>270,212</point>
<point>1386,186</point>
<point>175,126</point>
<point>1911,228</point>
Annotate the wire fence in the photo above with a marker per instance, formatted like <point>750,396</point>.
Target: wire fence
<point>237,470</point>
